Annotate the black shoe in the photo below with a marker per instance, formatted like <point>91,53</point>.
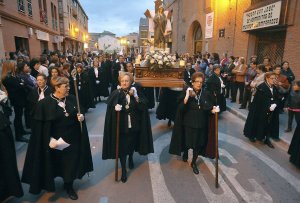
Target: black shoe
<point>288,130</point>
<point>242,107</point>
<point>22,139</point>
<point>268,143</point>
<point>195,168</point>
<point>232,101</point>
<point>185,156</point>
<point>252,139</point>
<point>169,123</point>
<point>276,139</point>
<point>71,193</point>
<point>130,163</point>
<point>124,176</point>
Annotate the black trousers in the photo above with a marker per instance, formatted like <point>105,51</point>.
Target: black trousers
<point>247,97</point>
<point>238,86</point>
<point>291,115</point>
<point>19,110</point>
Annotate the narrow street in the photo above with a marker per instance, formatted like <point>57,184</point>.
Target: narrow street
<point>248,172</point>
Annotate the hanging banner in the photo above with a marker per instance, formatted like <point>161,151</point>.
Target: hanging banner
<point>209,25</point>
<point>266,16</point>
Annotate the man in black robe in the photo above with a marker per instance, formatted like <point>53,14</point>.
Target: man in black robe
<point>119,66</point>
<point>216,86</point>
<point>84,88</point>
<point>263,118</point>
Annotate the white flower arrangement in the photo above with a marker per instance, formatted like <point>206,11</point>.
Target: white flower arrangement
<point>160,60</point>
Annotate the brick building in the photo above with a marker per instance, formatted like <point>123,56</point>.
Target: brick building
<point>29,25</point>
<point>238,27</point>
<point>73,23</point>
<point>39,25</point>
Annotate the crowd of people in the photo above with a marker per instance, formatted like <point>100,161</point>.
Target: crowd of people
<point>45,91</point>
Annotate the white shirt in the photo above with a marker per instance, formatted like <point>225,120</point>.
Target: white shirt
<point>96,72</point>
<point>44,70</point>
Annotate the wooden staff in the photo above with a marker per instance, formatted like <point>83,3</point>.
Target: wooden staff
<point>73,73</point>
<point>217,151</point>
<point>117,146</point>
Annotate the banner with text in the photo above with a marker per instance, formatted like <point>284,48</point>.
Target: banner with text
<point>209,25</point>
<point>266,16</point>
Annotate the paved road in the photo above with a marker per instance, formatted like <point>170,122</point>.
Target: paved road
<point>248,172</point>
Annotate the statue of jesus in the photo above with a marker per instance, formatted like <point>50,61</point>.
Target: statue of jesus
<point>160,23</point>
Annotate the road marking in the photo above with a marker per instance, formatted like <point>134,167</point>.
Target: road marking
<point>223,152</point>
<point>259,154</point>
<point>259,194</point>
<point>160,191</point>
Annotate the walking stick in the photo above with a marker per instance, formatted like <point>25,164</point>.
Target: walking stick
<point>73,73</point>
<point>217,151</point>
<point>117,146</point>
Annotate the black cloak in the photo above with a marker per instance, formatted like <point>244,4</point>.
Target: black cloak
<point>99,84</point>
<point>33,97</point>
<point>177,145</point>
<point>41,165</point>
<point>10,184</point>
<point>214,85</point>
<point>261,121</point>
<point>294,149</point>
<point>145,140</point>
<point>85,90</point>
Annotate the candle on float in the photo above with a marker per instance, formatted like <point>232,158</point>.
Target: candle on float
<point>181,63</point>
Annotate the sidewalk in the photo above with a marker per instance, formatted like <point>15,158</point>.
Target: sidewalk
<point>283,119</point>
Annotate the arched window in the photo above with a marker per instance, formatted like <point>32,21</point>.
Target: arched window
<point>198,33</point>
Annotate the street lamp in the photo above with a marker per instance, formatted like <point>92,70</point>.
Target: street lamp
<point>76,29</point>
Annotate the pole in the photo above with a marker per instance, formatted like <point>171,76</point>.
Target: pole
<point>117,146</point>
<point>217,151</point>
<point>73,73</point>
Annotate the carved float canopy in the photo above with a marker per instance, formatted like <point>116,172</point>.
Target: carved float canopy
<point>169,77</point>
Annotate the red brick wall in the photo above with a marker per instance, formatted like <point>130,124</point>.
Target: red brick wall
<point>292,42</point>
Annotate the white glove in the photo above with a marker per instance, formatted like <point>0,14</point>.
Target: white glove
<point>118,107</point>
<point>272,107</point>
<point>187,95</point>
<point>187,92</point>
<point>118,87</point>
<point>223,86</point>
<point>53,143</point>
<point>216,109</point>
<point>133,89</point>
<point>80,117</point>
<point>97,82</point>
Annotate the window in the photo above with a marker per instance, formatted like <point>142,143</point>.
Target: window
<point>133,41</point>
<point>21,6</point>
<point>144,34</point>
<point>29,5</point>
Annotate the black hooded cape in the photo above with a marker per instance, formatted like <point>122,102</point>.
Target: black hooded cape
<point>177,145</point>
<point>145,140</point>
<point>40,166</point>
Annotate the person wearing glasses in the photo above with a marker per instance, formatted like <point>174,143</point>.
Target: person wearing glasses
<point>191,126</point>
<point>59,145</point>
<point>263,118</point>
